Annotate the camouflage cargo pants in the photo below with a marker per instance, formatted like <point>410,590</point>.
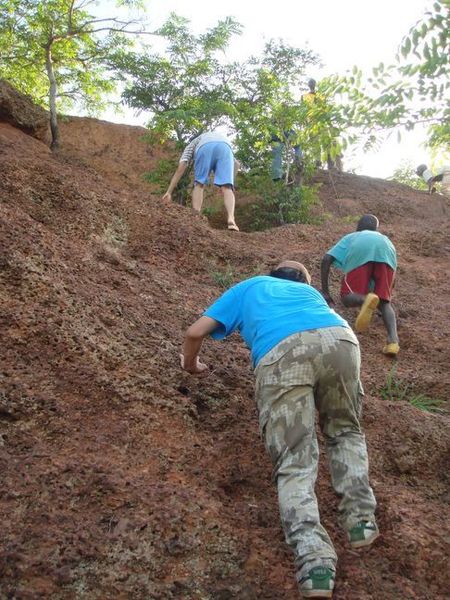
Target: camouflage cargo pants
<point>311,370</point>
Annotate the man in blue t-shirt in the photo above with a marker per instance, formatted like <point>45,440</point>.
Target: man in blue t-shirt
<point>305,357</point>
<point>369,261</point>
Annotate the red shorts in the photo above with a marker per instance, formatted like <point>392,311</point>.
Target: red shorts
<point>358,280</point>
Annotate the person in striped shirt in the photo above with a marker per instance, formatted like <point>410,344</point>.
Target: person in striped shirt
<point>211,152</point>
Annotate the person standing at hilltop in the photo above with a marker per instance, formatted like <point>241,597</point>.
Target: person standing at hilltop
<point>319,109</point>
<point>305,357</point>
<point>211,152</point>
<point>369,261</point>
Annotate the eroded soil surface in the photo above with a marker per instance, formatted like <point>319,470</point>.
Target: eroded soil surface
<point>122,476</point>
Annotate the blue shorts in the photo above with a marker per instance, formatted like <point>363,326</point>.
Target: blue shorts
<point>216,157</point>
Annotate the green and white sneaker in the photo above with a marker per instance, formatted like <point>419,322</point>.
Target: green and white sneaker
<point>363,534</point>
<point>319,583</point>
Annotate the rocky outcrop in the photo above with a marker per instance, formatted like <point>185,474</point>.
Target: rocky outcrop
<point>19,110</point>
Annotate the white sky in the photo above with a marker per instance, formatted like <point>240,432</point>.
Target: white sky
<point>342,32</point>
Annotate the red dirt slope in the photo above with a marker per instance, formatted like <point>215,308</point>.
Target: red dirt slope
<point>123,477</point>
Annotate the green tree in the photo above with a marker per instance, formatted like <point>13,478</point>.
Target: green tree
<point>192,87</point>
<point>413,91</point>
<point>266,95</point>
<point>58,51</point>
<point>185,89</point>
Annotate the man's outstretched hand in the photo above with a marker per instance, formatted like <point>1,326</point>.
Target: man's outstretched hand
<point>198,368</point>
<point>167,196</point>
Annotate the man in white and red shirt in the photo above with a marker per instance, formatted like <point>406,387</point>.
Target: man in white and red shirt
<point>211,152</point>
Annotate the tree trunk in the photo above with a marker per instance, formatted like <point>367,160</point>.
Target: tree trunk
<point>287,160</point>
<point>52,98</point>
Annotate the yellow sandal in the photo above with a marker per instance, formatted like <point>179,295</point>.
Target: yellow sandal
<point>365,315</point>
<point>391,349</point>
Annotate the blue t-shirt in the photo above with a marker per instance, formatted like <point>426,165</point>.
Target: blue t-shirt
<point>360,247</point>
<point>265,310</point>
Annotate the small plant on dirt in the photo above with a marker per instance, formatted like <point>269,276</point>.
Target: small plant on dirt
<point>279,204</point>
<point>396,390</point>
<point>428,404</point>
<point>405,173</point>
<point>224,279</point>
